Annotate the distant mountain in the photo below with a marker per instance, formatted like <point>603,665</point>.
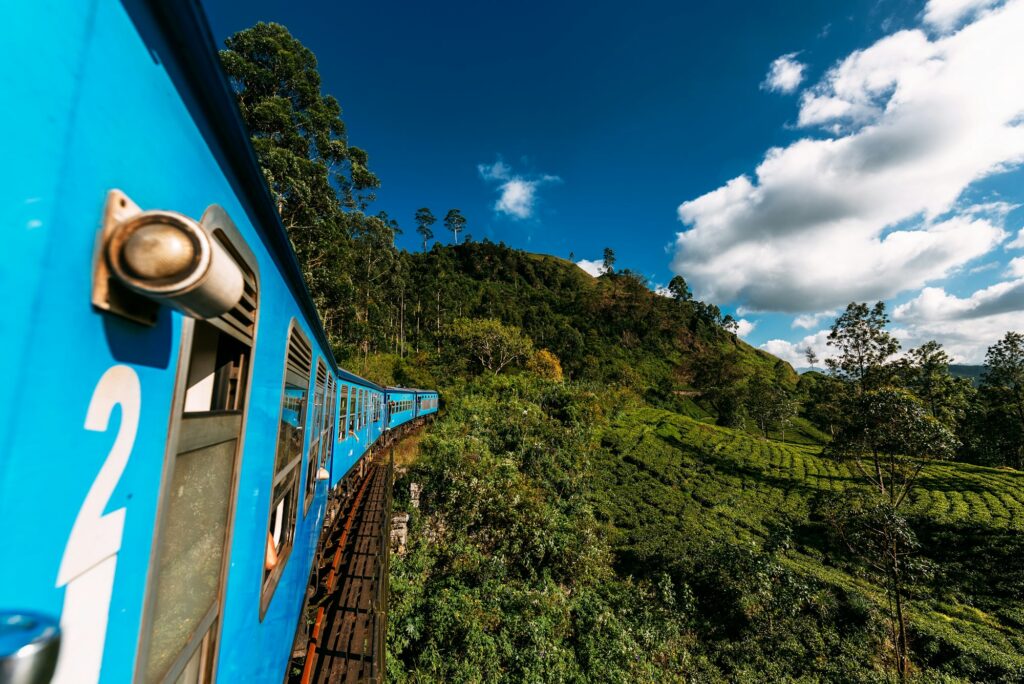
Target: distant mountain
<point>972,373</point>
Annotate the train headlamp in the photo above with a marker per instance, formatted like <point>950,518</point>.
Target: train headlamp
<point>166,257</point>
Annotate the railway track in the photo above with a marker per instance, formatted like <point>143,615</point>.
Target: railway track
<point>346,642</point>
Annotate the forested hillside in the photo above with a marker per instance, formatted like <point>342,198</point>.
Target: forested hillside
<point>619,488</point>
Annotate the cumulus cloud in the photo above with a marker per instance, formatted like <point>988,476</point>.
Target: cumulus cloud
<point>944,15</point>
<point>808,321</point>
<point>794,352</point>
<point>745,327</point>
<point>517,194</point>
<point>966,326</point>
<point>594,268</point>
<point>785,74</point>
<point>870,209</point>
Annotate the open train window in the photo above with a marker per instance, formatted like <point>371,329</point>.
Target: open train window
<point>317,428</point>
<point>326,443</point>
<point>343,413</point>
<point>287,463</point>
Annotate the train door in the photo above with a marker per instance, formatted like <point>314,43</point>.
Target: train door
<point>185,588</point>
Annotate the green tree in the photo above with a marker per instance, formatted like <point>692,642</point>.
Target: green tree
<point>863,346</point>
<point>609,260</point>
<point>761,402</point>
<point>1004,369</point>
<point>319,181</point>
<point>889,438</point>
<point>679,290</point>
<point>717,374</point>
<point>455,221</point>
<point>489,342</point>
<point>926,374</point>
<point>1001,419</point>
<point>811,356</point>
<point>424,220</point>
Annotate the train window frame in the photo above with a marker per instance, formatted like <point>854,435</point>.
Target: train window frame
<point>317,429</point>
<point>242,324</point>
<point>342,411</point>
<point>330,420</point>
<point>271,577</point>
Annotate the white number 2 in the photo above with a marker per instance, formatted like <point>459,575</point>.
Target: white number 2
<point>90,557</point>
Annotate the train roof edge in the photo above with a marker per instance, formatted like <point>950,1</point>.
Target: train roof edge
<point>196,61</point>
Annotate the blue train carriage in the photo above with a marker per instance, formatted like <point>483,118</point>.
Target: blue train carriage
<point>170,400</point>
<point>360,421</point>
<point>401,406</point>
<point>427,402</point>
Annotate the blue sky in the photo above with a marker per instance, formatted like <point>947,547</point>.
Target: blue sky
<point>786,157</point>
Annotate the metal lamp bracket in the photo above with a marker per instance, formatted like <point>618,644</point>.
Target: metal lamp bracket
<point>108,294</point>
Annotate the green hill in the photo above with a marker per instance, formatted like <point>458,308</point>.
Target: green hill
<point>670,486</point>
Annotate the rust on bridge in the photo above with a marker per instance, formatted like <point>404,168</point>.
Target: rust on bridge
<point>346,642</point>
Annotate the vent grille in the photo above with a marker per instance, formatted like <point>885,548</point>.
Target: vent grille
<point>300,354</point>
<point>240,322</point>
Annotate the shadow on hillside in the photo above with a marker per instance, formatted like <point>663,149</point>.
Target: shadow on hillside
<point>980,562</point>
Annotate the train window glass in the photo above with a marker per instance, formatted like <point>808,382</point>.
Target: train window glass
<point>287,463</point>
<point>343,412</point>
<point>326,445</point>
<point>352,413</point>
<point>317,428</point>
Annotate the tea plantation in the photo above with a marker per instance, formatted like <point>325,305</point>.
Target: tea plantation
<point>669,486</point>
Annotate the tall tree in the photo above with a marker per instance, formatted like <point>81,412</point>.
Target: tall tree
<point>319,181</point>
<point>1002,402</point>
<point>926,373</point>
<point>455,221</point>
<point>889,439</point>
<point>609,260</point>
<point>1004,368</point>
<point>424,220</point>
<point>811,356</point>
<point>679,290</point>
<point>863,346</point>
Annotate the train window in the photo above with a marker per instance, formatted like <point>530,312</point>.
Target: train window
<point>317,428</point>
<point>326,445</point>
<point>287,463</point>
<point>181,619</point>
<point>352,412</point>
<point>343,412</point>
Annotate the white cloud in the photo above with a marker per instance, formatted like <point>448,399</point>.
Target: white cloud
<point>944,15</point>
<point>862,214</point>
<point>594,268</point>
<point>793,352</point>
<point>1017,242</point>
<point>661,290</point>
<point>517,198</point>
<point>499,170</point>
<point>745,327</point>
<point>966,326</point>
<point>935,305</point>
<point>517,194</point>
<point>785,74</point>
<point>808,321</point>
